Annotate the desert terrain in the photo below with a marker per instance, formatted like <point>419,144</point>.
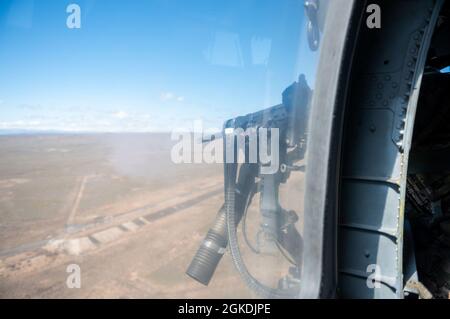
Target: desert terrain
<point>115,205</point>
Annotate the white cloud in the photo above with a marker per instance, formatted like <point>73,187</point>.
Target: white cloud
<point>170,96</point>
<point>121,120</point>
<point>20,124</point>
<point>167,96</point>
<point>120,115</point>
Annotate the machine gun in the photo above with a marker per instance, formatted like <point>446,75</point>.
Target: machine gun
<point>277,230</point>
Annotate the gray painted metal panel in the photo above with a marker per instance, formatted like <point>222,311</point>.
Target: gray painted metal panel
<point>383,100</point>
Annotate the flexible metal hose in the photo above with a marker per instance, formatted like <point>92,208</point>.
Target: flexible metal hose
<point>230,171</point>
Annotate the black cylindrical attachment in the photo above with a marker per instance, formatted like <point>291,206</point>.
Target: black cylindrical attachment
<point>210,252</point>
<point>214,244</point>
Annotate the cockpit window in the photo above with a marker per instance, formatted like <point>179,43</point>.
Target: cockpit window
<point>154,148</point>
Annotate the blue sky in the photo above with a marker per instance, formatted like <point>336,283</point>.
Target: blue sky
<point>146,65</point>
